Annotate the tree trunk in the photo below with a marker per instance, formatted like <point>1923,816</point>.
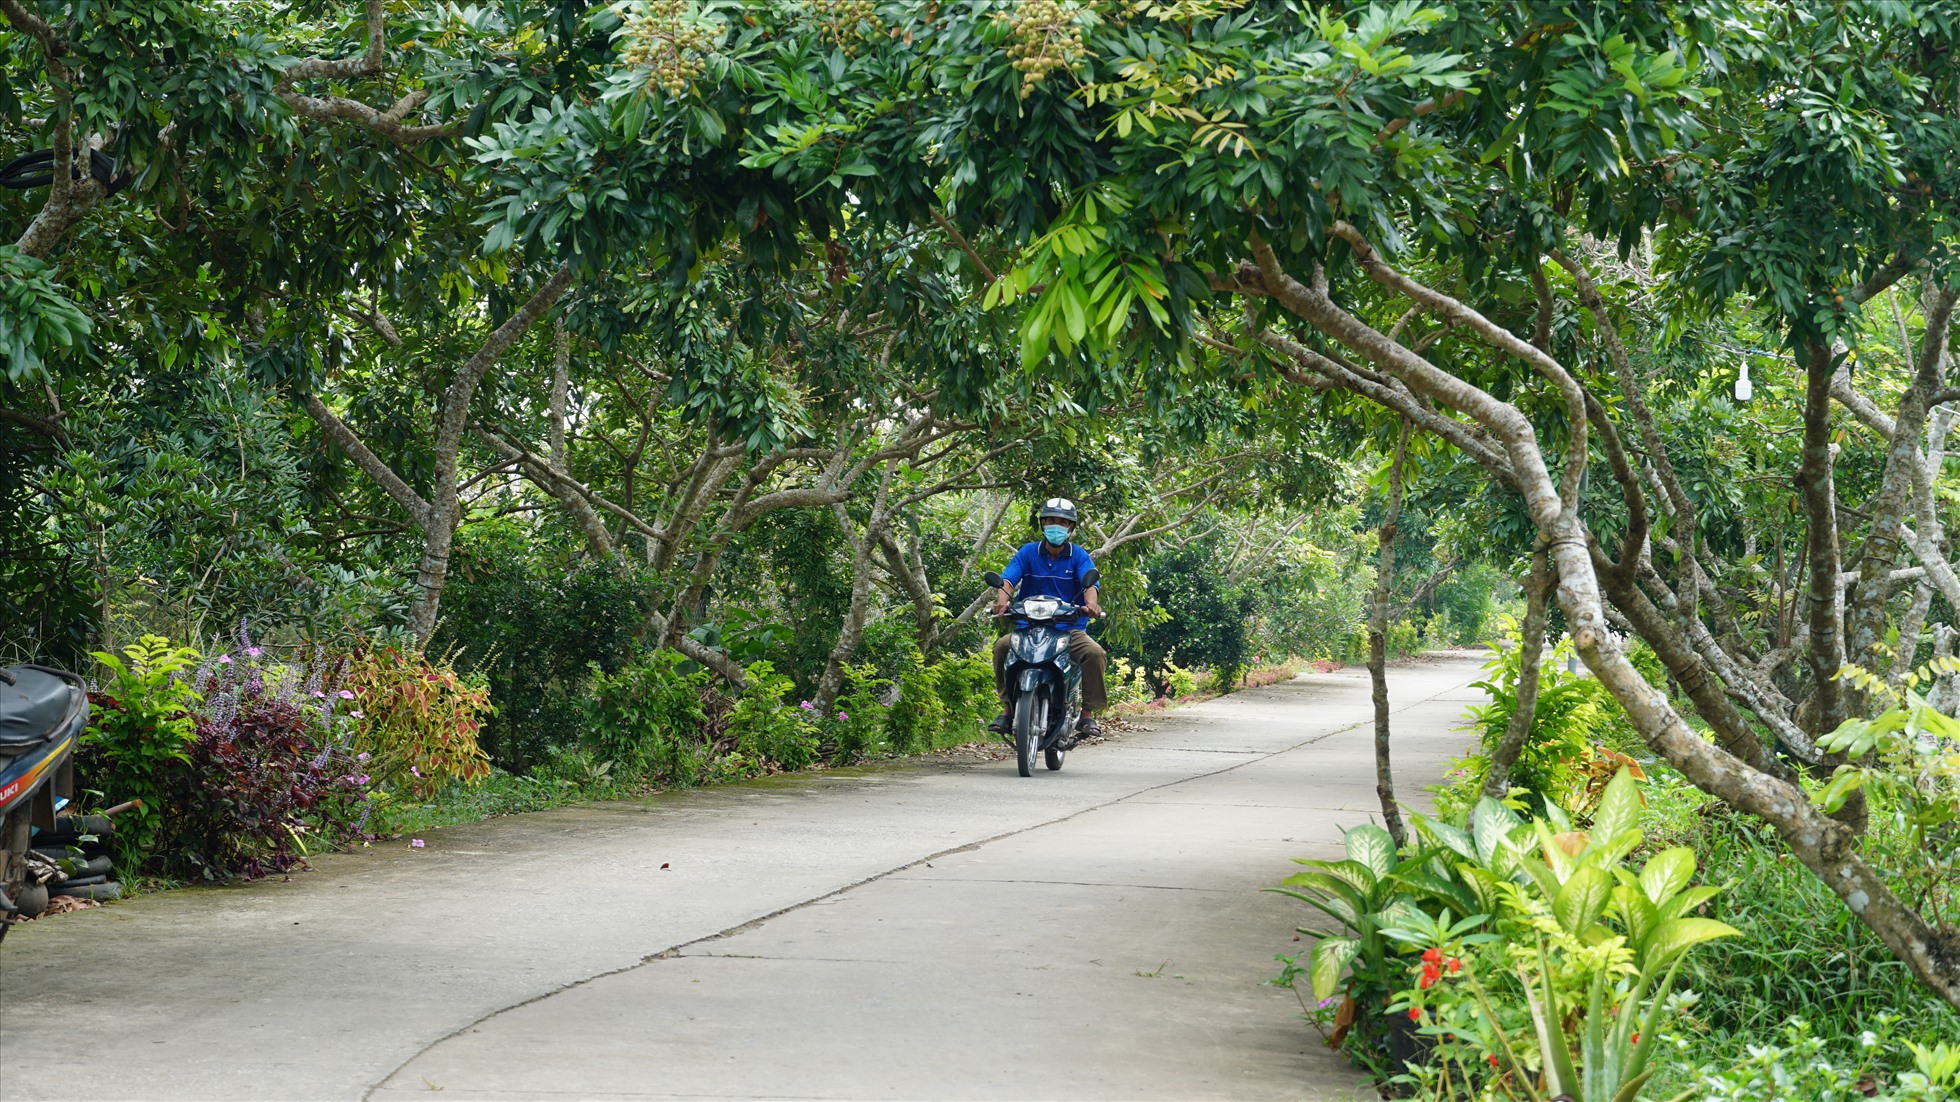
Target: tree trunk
<point>1814,480</point>
<point>1378,640</point>
<point>445,506</point>
<point>851,631</point>
<point>1866,614</point>
<point>1531,648</point>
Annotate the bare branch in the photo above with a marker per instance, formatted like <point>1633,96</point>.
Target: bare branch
<point>370,464</point>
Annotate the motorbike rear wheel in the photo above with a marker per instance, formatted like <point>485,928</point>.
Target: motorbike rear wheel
<point>1030,723</point>
<point>14,839</point>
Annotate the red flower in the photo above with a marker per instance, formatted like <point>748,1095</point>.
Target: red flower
<point>1636,1036</point>
<point>1415,1014</point>
<point>1432,956</point>
<point>1493,1059</point>
<point>1430,975</point>
<point>1455,966</point>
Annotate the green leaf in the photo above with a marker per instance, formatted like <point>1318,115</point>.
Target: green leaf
<point>1452,836</point>
<point>1666,873</point>
<point>1583,899</point>
<point>1847,779</point>
<point>1679,935</point>
<point>1642,918</point>
<point>1330,958</point>
<point>1688,901</point>
<point>1362,878</point>
<point>1489,824</point>
<point>1373,847</point>
<point>1619,808</point>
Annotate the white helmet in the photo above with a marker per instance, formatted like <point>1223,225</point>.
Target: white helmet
<point>1058,507</point>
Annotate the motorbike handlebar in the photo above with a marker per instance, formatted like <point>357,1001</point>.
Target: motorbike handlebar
<point>1063,611</point>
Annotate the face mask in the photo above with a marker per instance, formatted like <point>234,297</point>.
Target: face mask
<point>1056,534</point>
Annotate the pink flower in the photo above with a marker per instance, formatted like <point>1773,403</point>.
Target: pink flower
<point>224,660</point>
<point>807,706</point>
<point>362,756</point>
<point>415,843</point>
<point>414,770</point>
<point>346,694</point>
<point>318,695</point>
<point>359,715</point>
<point>253,652</point>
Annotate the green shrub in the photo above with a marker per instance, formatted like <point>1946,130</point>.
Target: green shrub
<point>1402,639</point>
<point>917,718</point>
<point>966,685</point>
<point>526,612</point>
<point>1126,683</point>
<point>649,718</point>
<point>1209,621</point>
<point>857,729</point>
<point>1497,951</point>
<point>1572,711</point>
<point>421,718</point>
<point>1178,681</point>
<point>1803,1068</point>
<point>764,728</point>
<point>141,727</point>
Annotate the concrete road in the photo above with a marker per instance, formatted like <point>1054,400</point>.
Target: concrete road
<point>920,930</point>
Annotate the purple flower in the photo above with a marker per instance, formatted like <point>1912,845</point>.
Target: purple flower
<point>415,843</point>
<point>224,660</point>
<point>359,715</point>
<point>363,755</point>
<point>807,706</point>
<point>841,715</point>
<point>318,695</point>
<point>346,694</point>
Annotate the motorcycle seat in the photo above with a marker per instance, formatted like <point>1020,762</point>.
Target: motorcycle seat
<point>33,708</point>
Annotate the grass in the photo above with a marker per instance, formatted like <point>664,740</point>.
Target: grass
<point>1801,953</point>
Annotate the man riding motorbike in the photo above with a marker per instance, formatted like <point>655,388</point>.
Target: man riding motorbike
<point>1054,567</point>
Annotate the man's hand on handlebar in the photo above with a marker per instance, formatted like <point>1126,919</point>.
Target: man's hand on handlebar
<point>1094,607</point>
<point>1000,602</point>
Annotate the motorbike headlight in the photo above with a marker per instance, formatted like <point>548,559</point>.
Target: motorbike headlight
<point>1040,608</point>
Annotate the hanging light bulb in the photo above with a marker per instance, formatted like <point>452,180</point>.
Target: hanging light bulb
<point>1743,388</point>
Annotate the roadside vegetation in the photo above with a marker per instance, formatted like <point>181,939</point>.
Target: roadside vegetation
<point>576,392</point>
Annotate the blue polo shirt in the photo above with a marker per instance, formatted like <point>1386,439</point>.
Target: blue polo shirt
<point>1033,574</point>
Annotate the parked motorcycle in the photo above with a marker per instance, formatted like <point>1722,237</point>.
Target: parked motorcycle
<point>1044,685</point>
<point>42,714</point>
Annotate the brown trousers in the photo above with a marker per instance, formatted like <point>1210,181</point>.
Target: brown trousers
<point>1082,650</point>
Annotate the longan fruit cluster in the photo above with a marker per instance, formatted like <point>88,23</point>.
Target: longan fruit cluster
<point>844,21</point>
<point>1043,38</point>
<point>662,38</point>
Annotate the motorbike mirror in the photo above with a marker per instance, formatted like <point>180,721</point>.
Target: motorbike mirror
<point>993,579</point>
<point>1090,579</point>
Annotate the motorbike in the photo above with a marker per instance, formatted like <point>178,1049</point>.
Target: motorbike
<point>42,713</point>
<point>1044,686</point>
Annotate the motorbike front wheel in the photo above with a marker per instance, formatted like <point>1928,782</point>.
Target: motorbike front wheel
<point>1030,723</point>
